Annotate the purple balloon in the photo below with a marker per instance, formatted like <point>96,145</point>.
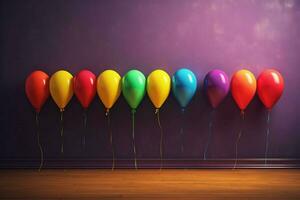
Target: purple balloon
<point>216,86</point>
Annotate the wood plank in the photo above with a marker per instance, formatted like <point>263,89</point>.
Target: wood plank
<point>149,184</point>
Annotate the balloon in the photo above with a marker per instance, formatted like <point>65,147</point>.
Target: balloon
<point>61,88</point>
<point>243,88</point>
<point>37,89</point>
<point>184,86</point>
<point>270,85</point>
<point>109,87</point>
<point>216,86</point>
<point>85,87</point>
<point>158,87</point>
<point>133,87</point>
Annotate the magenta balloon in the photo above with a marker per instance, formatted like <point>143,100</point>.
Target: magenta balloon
<point>216,86</point>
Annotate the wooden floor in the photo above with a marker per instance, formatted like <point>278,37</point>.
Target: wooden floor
<point>150,184</point>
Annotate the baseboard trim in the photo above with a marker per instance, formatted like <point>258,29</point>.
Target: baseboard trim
<point>149,163</point>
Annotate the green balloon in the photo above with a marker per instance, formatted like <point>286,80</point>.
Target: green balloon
<point>134,87</point>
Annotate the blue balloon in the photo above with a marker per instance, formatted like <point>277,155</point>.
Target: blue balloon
<point>184,86</point>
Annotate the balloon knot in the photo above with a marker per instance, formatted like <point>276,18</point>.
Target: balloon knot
<point>243,114</point>
<point>182,110</point>
<point>156,110</point>
<point>62,109</point>
<point>133,111</point>
<point>107,112</point>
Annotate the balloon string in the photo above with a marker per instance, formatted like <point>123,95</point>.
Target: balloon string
<point>182,131</point>
<point>84,126</point>
<point>209,134</point>
<point>38,140</point>
<point>238,139</point>
<point>161,138</point>
<point>62,130</point>
<point>111,139</point>
<point>267,137</point>
<point>133,139</point>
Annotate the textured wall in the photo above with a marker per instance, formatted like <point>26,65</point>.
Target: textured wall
<point>146,35</point>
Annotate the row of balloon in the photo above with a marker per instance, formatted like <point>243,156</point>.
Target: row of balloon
<point>133,85</point>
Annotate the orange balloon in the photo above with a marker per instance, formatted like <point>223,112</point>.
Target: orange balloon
<point>243,88</point>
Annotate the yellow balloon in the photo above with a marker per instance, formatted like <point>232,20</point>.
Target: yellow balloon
<point>61,88</point>
<point>158,87</point>
<point>109,87</point>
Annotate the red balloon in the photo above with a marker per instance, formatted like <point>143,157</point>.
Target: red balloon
<point>85,87</point>
<point>270,85</point>
<point>37,89</point>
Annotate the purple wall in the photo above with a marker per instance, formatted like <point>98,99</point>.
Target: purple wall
<point>146,35</point>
